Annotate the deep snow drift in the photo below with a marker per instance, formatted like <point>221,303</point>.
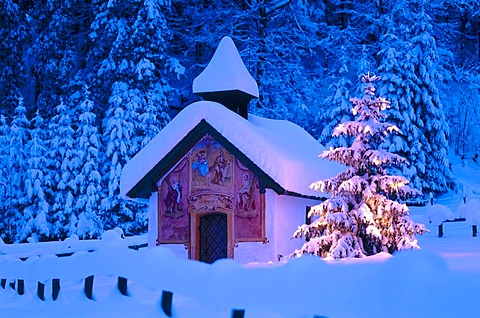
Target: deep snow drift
<point>440,280</point>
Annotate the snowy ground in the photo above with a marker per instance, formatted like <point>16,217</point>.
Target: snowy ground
<point>441,280</point>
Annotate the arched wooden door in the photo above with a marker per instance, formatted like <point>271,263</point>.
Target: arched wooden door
<point>213,237</point>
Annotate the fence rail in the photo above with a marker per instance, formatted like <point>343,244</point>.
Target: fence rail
<point>166,302</point>
<point>69,246</point>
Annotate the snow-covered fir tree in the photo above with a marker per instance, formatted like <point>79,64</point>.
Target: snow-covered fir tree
<point>36,221</point>
<point>150,39</point>
<point>409,59</point>
<point>430,117</point>
<point>338,106</point>
<point>462,111</point>
<point>361,217</point>
<point>87,183</point>
<point>153,118</point>
<point>117,137</point>
<point>4,153</point>
<point>54,49</point>
<point>16,167</point>
<point>398,85</point>
<point>14,35</point>
<point>280,71</point>
<point>60,156</point>
<point>149,82</point>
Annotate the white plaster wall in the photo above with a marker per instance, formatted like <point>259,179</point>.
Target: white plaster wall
<point>153,220</point>
<point>248,252</point>
<point>283,215</point>
<point>289,214</point>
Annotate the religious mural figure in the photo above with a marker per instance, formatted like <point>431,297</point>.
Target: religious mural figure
<point>210,179</point>
<point>173,208</point>
<point>246,199</point>
<point>211,166</point>
<point>201,165</point>
<point>218,169</point>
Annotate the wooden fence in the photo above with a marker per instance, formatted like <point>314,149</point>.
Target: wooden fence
<point>122,285</point>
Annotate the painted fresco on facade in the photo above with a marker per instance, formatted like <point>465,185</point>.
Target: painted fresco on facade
<point>211,167</point>
<point>173,203</point>
<point>210,179</point>
<point>249,217</point>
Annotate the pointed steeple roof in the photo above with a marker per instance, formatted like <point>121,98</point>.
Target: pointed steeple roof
<point>226,80</point>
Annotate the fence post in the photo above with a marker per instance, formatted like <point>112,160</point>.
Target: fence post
<point>41,291</point>
<point>55,288</point>
<point>20,286</point>
<point>440,230</point>
<point>238,313</point>
<point>167,297</point>
<point>122,285</point>
<point>89,287</point>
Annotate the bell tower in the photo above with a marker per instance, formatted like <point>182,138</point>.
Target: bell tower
<point>226,80</point>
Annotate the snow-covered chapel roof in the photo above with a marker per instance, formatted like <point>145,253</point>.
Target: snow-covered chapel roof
<point>285,152</point>
<point>280,153</point>
<point>228,71</point>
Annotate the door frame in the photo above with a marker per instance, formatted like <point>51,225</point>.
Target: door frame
<point>194,250</point>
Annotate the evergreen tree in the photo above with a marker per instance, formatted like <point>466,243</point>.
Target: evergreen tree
<point>462,111</point>
<point>361,217</point>
<point>339,107</point>
<point>278,41</point>
<point>429,115</point>
<point>117,138</point>
<point>13,71</point>
<point>36,220</point>
<point>398,87</point>
<point>4,154</point>
<point>152,119</point>
<point>60,159</point>
<point>409,60</point>
<point>150,81</point>
<point>150,40</point>
<point>16,167</point>
<point>283,58</point>
<point>59,29</point>
<point>111,58</point>
<point>87,183</point>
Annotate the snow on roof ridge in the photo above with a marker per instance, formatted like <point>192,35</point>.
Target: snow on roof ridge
<point>226,71</point>
<point>283,150</point>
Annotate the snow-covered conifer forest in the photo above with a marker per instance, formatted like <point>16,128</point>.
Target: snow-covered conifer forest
<point>85,84</point>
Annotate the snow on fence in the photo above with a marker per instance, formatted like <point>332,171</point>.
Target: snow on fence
<point>467,210</point>
<point>70,245</point>
<point>50,264</point>
<point>225,286</point>
<point>267,290</point>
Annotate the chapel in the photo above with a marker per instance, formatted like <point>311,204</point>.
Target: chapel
<point>221,182</point>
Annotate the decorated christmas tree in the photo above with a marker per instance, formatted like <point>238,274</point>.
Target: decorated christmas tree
<point>362,216</point>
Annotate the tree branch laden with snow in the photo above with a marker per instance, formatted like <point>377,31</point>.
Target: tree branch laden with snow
<point>362,218</point>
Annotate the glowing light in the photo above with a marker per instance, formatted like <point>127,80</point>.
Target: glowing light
<point>398,184</point>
